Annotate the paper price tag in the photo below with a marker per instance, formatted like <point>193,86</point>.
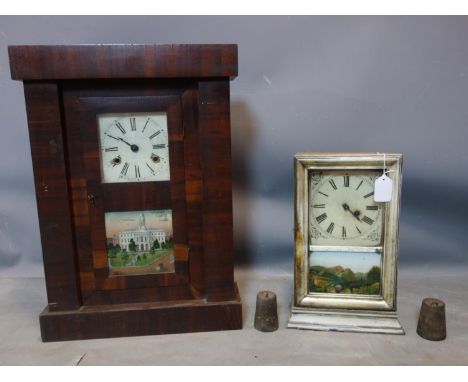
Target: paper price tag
<point>383,189</point>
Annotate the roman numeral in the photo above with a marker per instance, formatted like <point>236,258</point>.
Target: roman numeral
<point>137,171</point>
<point>159,146</point>
<point>150,168</point>
<point>372,208</point>
<point>112,149</point>
<point>367,220</point>
<point>358,229</point>
<point>120,127</point>
<point>133,124</point>
<point>343,232</point>
<point>346,180</point>
<point>320,192</point>
<point>144,127</point>
<point>359,185</point>
<point>332,183</point>
<point>124,169</point>
<point>330,228</point>
<point>369,194</point>
<point>155,134</point>
<point>319,205</point>
<point>321,218</point>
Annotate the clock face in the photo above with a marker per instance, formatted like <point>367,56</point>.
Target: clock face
<point>134,147</point>
<point>342,210</point>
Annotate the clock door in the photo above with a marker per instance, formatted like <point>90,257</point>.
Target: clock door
<point>346,230</point>
<point>130,155</point>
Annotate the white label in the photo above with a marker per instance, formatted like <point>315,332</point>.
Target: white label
<point>383,189</point>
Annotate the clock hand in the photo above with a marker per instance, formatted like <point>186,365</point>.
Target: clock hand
<point>355,213</point>
<point>118,139</point>
<point>134,148</point>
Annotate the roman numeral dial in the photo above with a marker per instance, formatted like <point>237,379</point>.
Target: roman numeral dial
<point>155,134</point>
<point>342,210</point>
<point>346,180</point>
<point>133,123</point>
<point>321,218</point>
<point>134,147</point>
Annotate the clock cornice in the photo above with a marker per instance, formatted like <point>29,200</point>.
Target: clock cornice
<point>62,62</point>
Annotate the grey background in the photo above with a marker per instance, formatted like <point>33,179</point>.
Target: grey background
<point>396,84</point>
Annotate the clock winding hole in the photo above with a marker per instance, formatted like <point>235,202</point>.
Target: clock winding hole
<point>116,161</point>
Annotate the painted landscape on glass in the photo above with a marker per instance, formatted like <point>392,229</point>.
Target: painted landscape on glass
<point>345,273</point>
<point>139,242</point>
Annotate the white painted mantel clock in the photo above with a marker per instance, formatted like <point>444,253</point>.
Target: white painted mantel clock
<point>346,242</point>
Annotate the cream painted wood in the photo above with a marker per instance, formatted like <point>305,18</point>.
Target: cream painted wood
<point>307,305</point>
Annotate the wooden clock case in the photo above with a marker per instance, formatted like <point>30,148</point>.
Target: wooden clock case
<point>65,87</point>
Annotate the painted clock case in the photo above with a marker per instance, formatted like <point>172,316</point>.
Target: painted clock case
<point>66,87</point>
<point>346,311</point>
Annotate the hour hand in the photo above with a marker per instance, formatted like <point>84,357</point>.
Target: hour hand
<point>355,213</point>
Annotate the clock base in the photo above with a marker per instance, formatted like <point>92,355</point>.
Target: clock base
<point>140,319</point>
<point>345,321</point>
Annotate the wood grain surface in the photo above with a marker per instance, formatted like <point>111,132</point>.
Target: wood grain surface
<point>65,88</point>
<point>54,62</point>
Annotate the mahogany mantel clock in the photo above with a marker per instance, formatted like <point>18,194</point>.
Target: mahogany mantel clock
<point>132,168</point>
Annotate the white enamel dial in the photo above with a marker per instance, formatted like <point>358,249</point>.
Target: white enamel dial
<point>343,211</point>
<point>134,147</point>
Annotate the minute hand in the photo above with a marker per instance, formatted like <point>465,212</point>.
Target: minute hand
<point>134,148</point>
<point>119,139</point>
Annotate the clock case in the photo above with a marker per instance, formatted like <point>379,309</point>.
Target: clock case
<point>341,312</point>
<point>65,88</point>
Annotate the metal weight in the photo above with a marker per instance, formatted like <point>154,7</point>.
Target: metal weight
<point>266,313</point>
<point>431,325</point>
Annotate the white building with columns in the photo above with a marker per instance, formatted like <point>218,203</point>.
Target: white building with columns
<point>143,236</point>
